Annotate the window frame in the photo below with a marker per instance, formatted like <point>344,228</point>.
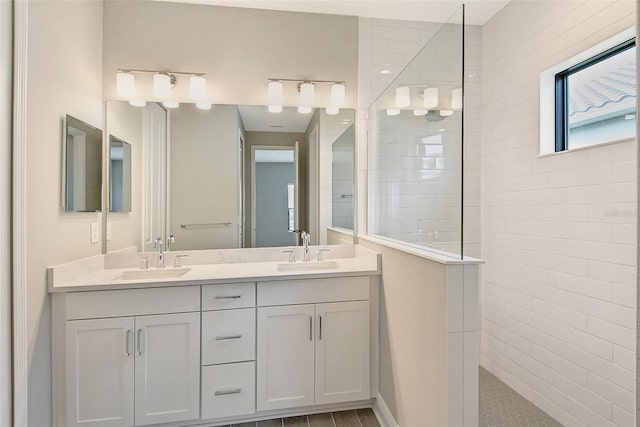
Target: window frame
<point>561,96</point>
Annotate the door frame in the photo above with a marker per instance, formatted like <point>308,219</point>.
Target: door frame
<point>296,160</point>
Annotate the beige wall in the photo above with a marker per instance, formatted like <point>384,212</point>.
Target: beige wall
<point>5,211</point>
<point>287,139</point>
<point>413,337</point>
<point>204,176</point>
<point>125,122</point>
<point>64,77</point>
<point>239,49</point>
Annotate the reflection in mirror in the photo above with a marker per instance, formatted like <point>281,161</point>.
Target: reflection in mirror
<point>197,183</point>
<point>119,175</point>
<point>342,179</point>
<point>83,167</point>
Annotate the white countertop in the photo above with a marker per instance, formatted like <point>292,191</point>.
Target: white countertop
<point>91,274</point>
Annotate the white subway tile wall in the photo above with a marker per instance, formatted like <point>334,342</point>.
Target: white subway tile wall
<point>558,297</point>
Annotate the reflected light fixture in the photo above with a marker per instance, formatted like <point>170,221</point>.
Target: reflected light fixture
<point>137,102</point>
<point>275,96</point>
<point>393,112</point>
<point>275,108</point>
<point>125,84</point>
<point>430,98</point>
<point>171,104</point>
<point>420,112</point>
<point>203,105</point>
<point>161,85</point>
<point>446,113</point>
<point>304,110</point>
<point>198,87</point>
<point>307,95</point>
<point>332,111</point>
<point>456,99</point>
<point>403,97</point>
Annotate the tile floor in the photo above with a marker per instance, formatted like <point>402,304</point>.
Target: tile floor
<point>501,406</point>
<point>357,418</point>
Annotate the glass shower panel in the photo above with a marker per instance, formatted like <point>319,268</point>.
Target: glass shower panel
<point>415,148</point>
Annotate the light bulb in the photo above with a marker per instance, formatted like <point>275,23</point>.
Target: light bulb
<point>171,104</point>
<point>203,105</point>
<point>138,102</point>
<point>393,112</point>
<point>304,110</point>
<point>420,112</point>
<point>430,97</point>
<point>161,85</point>
<point>446,113</point>
<point>332,111</point>
<point>403,97</point>
<point>198,88</point>
<point>125,84</point>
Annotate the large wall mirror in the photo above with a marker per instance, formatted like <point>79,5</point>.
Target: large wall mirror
<point>82,166</point>
<point>230,177</point>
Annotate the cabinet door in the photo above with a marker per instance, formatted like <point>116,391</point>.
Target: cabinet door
<point>342,352</point>
<point>167,374</point>
<point>99,366</point>
<point>285,357</point>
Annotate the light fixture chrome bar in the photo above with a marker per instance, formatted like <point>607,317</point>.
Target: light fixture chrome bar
<point>133,70</point>
<point>209,224</point>
<point>307,81</point>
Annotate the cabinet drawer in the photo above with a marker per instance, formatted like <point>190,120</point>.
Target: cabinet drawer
<point>310,291</point>
<point>228,390</point>
<point>229,295</point>
<point>228,336</point>
<point>132,302</point>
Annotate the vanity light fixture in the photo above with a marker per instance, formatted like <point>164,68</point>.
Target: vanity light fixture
<point>198,87</point>
<point>456,99</point>
<point>137,102</point>
<point>393,111</point>
<point>430,98</point>
<point>203,105</point>
<point>171,104</point>
<point>162,85</point>
<point>420,112</point>
<point>307,95</point>
<point>403,97</point>
<point>125,84</point>
<point>446,113</point>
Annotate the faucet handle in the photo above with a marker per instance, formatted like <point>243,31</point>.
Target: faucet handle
<point>292,255</point>
<point>171,239</point>
<point>157,242</point>
<point>177,261</point>
<point>144,261</point>
<point>321,254</point>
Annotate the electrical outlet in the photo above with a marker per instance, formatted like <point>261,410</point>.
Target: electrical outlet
<point>108,230</point>
<point>95,232</point>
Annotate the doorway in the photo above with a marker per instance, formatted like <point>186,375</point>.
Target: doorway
<point>274,195</point>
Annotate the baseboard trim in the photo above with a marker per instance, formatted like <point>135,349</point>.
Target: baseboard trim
<point>383,413</point>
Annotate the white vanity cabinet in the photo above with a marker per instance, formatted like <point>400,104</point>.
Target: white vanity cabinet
<point>312,352</point>
<point>129,366</point>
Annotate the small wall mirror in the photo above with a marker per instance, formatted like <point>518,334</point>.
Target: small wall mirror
<point>119,175</point>
<point>83,166</point>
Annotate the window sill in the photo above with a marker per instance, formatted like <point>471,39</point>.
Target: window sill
<point>573,150</point>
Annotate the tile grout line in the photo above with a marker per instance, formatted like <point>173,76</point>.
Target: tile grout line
<point>358,417</point>
<point>333,419</point>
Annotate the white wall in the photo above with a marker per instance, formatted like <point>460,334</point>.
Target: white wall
<point>238,49</point>
<point>558,232</point>
<point>5,211</point>
<point>64,77</point>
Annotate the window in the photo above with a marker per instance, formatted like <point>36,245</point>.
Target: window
<point>595,100</point>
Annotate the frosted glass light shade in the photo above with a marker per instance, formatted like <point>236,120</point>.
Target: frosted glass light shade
<point>138,102</point>
<point>203,105</point>
<point>171,104</point>
<point>161,85</point>
<point>420,112</point>
<point>446,113</point>
<point>403,97</point>
<point>393,112</point>
<point>307,95</point>
<point>430,97</point>
<point>275,108</point>
<point>198,88</point>
<point>332,111</point>
<point>338,94</point>
<point>304,110</point>
<point>456,99</point>
<point>126,84</point>
<point>275,93</point>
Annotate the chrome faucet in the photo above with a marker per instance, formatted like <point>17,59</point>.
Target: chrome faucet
<point>306,238</point>
<point>159,244</point>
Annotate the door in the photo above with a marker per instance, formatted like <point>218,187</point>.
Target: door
<point>342,352</point>
<point>155,172</point>
<point>167,371</point>
<point>99,366</point>
<point>285,354</point>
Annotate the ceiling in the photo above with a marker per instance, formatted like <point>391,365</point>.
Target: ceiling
<point>477,11</point>
<point>258,119</point>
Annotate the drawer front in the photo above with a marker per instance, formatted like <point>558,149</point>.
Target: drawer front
<point>311,291</point>
<point>228,390</point>
<point>228,336</point>
<point>228,295</point>
<point>132,302</point>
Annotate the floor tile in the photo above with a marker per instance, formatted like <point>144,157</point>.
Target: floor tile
<point>270,423</point>
<point>244,425</point>
<point>346,419</point>
<point>296,421</point>
<point>367,418</point>
<point>321,420</point>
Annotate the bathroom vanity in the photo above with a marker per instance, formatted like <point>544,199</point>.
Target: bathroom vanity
<point>230,336</point>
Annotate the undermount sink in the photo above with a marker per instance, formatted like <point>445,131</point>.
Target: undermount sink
<point>169,273</point>
<point>308,266</point>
